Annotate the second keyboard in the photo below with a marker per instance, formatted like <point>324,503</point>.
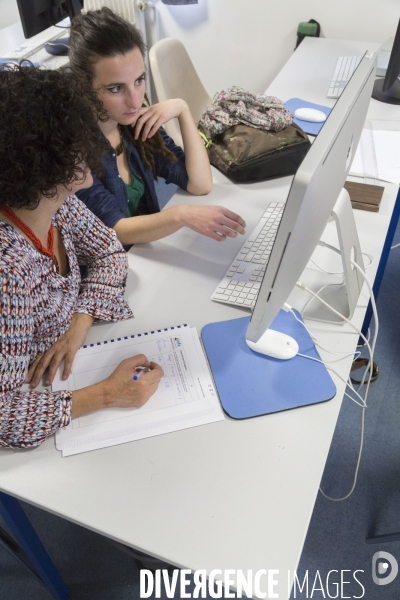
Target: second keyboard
<point>345,67</point>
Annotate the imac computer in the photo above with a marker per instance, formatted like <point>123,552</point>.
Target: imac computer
<point>246,355</point>
<point>38,15</point>
<point>387,89</point>
<point>315,190</point>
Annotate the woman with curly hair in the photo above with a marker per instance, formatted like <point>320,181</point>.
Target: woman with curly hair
<point>49,139</point>
<point>107,53</point>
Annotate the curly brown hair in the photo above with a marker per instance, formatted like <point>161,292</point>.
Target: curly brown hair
<point>101,34</point>
<point>48,132</point>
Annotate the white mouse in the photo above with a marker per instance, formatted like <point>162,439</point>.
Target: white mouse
<point>310,114</point>
<point>276,344</point>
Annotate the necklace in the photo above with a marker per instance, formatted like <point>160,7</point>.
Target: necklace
<point>29,233</point>
<point>120,148</point>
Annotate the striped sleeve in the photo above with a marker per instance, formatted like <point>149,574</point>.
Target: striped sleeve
<point>26,418</point>
<point>101,293</point>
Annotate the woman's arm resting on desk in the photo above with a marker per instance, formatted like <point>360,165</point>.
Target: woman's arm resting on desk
<point>28,418</point>
<point>207,220</point>
<point>215,222</point>
<point>151,118</point>
<point>103,286</point>
<point>119,389</point>
<point>64,348</point>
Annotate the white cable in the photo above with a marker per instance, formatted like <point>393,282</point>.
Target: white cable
<point>357,465</point>
<point>342,355</point>
<point>395,246</point>
<point>337,251</point>
<point>327,366</point>
<point>368,337</point>
<point>317,295</point>
<point>318,343</point>
<point>371,259</point>
<point>323,270</point>
<point>369,256</point>
<point>364,276</point>
<point>368,369</point>
<point>305,288</point>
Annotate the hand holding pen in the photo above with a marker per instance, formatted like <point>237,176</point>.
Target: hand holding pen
<point>140,371</point>
<point>133,382</point>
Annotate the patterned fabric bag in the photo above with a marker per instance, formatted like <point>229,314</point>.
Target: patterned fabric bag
<point>251,137</point>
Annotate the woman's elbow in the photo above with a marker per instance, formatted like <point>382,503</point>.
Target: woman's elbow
<point>200,189</point>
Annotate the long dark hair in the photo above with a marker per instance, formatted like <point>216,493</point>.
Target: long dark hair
<point>102,34</point>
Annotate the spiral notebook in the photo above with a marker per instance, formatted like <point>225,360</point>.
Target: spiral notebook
<point>186,396</point>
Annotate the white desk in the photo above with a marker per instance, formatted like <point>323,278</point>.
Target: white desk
<point>235,494</point>
<point>12,37</point>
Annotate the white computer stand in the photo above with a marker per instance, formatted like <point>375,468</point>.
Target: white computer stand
<point>343,297</point>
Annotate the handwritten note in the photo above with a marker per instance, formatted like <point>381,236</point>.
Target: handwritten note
<point>185,397</point>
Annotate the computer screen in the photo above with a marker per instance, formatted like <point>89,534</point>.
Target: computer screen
<point>387,89</point>
<point>312,196</point>
<point>38,15</point>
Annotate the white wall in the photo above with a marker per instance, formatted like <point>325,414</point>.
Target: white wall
<point>8,13</point>
<point>246,42</point>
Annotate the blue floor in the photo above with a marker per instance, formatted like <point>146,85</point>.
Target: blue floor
<point>338,530</point>
<point>94,569</point>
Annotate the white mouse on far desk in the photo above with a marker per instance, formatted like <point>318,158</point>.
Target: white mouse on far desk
<point>310,114</point>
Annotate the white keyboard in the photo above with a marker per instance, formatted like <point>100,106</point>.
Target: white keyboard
<point>345,67</point>
<point>21,53</point>
<point>243,279</point>
<point>52,62</point>
<point>26,50</point>
<point>37,54</point>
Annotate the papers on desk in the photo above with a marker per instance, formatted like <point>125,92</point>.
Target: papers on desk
<point>378,154</point>
<point>186,396</point>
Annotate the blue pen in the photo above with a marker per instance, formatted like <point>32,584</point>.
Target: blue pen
<point>141,372</point>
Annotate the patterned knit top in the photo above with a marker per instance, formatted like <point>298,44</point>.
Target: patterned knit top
<point>37,306</point>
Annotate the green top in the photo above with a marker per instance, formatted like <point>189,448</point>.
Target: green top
<point>135,190</point>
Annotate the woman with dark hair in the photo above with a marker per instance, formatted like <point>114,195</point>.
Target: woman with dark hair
<point>107,53</point>
<point>49,139</point>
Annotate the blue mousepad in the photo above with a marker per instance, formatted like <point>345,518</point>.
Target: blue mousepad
<point>307,126</point>
<point>251,384</point>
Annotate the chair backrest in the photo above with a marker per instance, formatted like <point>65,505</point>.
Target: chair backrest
<point>174,76</point>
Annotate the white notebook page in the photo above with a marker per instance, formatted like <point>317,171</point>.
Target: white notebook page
<point>186,396</point>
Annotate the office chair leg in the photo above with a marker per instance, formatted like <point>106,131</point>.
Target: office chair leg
<point>29,544</point>
<point>379,539</point>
